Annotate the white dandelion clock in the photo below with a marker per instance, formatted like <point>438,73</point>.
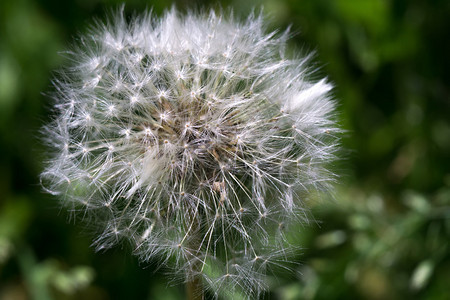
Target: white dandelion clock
<point>194,139</point>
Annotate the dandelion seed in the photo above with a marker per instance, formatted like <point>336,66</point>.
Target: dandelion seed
<point>134,99</point>
<point>203,148</point>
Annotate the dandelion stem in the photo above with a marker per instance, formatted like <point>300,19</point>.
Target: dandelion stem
<point>194,289</point>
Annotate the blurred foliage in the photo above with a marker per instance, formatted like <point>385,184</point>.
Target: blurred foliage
<point>384,235</point>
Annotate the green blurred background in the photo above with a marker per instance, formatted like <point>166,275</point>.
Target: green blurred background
<point>384,235</point>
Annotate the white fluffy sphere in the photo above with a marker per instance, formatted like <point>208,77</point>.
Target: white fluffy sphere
<point>194,139</point>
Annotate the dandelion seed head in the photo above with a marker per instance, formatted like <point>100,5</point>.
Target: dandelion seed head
<point>194,148</point>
